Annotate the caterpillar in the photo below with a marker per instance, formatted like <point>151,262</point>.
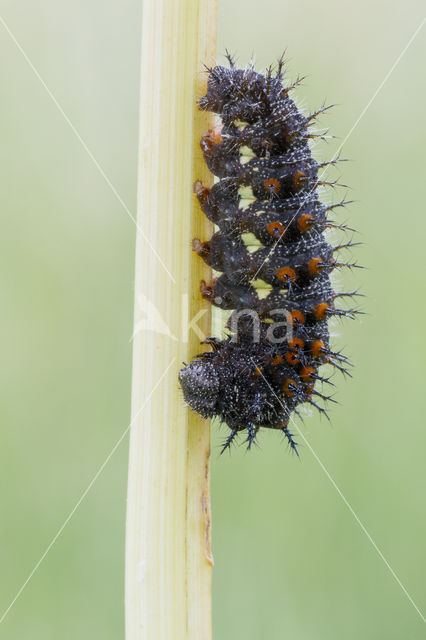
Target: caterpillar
<point>273,257</point>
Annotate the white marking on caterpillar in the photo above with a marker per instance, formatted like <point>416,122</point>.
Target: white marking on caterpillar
<point>247,197</point>
<point>263,289</point>
<point>246,154</point>
<point>240,124</point>
<point>251,243</point>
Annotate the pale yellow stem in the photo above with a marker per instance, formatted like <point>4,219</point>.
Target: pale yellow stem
<point>168,557</point>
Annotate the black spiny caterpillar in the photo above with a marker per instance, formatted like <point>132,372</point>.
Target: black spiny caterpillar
<point>271,251</point>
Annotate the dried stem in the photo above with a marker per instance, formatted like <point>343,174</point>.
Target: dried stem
<point>168,557</point>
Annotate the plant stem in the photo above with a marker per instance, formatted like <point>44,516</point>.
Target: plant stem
<point>168,557</point>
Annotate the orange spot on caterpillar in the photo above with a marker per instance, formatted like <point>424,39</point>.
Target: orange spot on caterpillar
<point>299,179</point>
<point>297,316</point>
<point>296,343</point>
<point>257,372</point>
<point>318,349</point>
<point>277,359</point>
<point>272,185</point>
<point>307,373</point>
<point>290,387</point>
<point>286,273</point>
<point>314,266</point>
<point>292,358</point>
<point>275,229</point>
<point>320,310</point>
<point>306,222</point>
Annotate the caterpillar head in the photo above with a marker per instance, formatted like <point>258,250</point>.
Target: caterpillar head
<point>200,386</point>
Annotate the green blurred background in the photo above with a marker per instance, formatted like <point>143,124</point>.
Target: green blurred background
<point>291,560</point>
